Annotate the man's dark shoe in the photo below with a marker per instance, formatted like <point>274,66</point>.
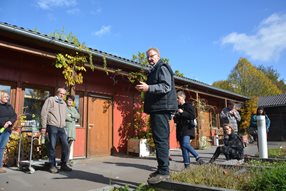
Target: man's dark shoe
<point>200,161</point>
<point>187,165</point>
<point>153,174</point>
<point>53,170</point>
<point>158,178</point>
<point>65,167</point>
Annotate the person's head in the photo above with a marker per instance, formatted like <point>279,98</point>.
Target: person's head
<point>4,97</point>
<point>61,92</point>
<point>228,128</point>
<point>70,100</point>
<point>230,104</point>
<point>181,96</point>
<point>153,55</point>
<point>260,111</point>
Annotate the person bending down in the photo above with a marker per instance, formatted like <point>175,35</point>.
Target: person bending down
<point>233,146</point>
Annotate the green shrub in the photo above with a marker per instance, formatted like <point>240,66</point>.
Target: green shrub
<point>277,152</point>
<point>269,180</point>
<point>215,176</point>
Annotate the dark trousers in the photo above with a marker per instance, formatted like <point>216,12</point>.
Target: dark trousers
<point>54,134</point>
<point>161,133</point>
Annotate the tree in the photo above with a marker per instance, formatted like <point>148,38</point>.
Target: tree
<point>273,75</point>
<point>178,73</point>
<point>247,80</point>
<point>248,109</point>
<point>224,84</point>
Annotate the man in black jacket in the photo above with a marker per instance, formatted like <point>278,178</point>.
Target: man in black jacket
<point>160,102</point>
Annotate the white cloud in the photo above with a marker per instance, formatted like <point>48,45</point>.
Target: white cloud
<point>103,30</point>
<point>267,44</point>
<point>48,4</point>
<point>74,11</point>
<point>96,11</point>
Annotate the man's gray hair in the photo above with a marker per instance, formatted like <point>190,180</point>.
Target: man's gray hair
<point>154,49</point>
<point>181,94</point>
<point>60,89</point>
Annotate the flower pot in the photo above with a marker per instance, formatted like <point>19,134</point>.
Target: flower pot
<point>138,146</point>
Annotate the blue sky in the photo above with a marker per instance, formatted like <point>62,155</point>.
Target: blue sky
<point>202,38</point>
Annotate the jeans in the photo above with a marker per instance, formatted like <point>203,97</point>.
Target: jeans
<point>161,132</point>
<point>187,148</point>
<point>4,138</point>
<point>54,134</point>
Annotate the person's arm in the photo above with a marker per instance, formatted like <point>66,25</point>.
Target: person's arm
<point>13,117</point>
<point>236,115</point>
<point>69,116</point>
<point>223,114</point>
<point>236,143</point>
<point>267,122</point>
<point>165,82</point>
<point>75,114</point>
<point>253,121</point>
<point>44,113</point>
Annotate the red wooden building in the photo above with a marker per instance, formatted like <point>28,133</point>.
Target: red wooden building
<point>105,101</point>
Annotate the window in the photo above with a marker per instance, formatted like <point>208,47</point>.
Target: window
<point>33,102</point>
<point>79,106</point>
<point>214,119</point>
<point>6,89</point>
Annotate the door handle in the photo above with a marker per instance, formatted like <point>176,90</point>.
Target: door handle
<point>90,125</point>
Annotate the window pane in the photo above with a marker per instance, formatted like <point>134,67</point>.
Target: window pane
<point>77,103</point>
<point>33,102</point>
<point>214,121</point>
<point>76,100</point>
<point>6,89</point>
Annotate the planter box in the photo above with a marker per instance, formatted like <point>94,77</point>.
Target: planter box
<point>138,146</point>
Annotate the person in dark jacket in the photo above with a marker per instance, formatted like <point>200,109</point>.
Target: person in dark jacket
<point>233,145</point>
<point>185,128</point>
<point>7,119</point>
<point>159,102</point>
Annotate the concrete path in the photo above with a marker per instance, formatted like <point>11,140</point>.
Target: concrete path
<point>101,173</point>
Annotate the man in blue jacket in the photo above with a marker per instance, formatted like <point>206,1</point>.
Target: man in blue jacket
<point>160,101</point>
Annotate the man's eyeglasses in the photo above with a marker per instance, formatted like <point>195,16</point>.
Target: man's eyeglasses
<point>151,56</point>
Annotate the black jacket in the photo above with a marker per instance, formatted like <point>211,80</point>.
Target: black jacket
<point>234,146</point>
<point>160,102</point>
<point>7,113</point>
<point>184,126</point>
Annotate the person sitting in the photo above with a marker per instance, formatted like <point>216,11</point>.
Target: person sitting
<point>233,146</point>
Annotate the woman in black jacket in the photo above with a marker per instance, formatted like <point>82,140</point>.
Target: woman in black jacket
<point>233,145</point>
<point>185,128</point>
<point>7,119</point>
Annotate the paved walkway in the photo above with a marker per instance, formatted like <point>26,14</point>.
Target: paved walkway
<point>99,173</point>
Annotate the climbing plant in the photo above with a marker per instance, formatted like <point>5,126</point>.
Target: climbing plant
<point>73,64</point>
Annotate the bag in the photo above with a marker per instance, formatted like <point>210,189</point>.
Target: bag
<point>195,122</point>
<point>192,123</point>
<point>252,131</point>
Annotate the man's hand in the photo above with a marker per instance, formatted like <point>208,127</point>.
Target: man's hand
<point>142,87</point>
<point>7,124</point>
<point>180,110</point>
<point>43,131</point>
